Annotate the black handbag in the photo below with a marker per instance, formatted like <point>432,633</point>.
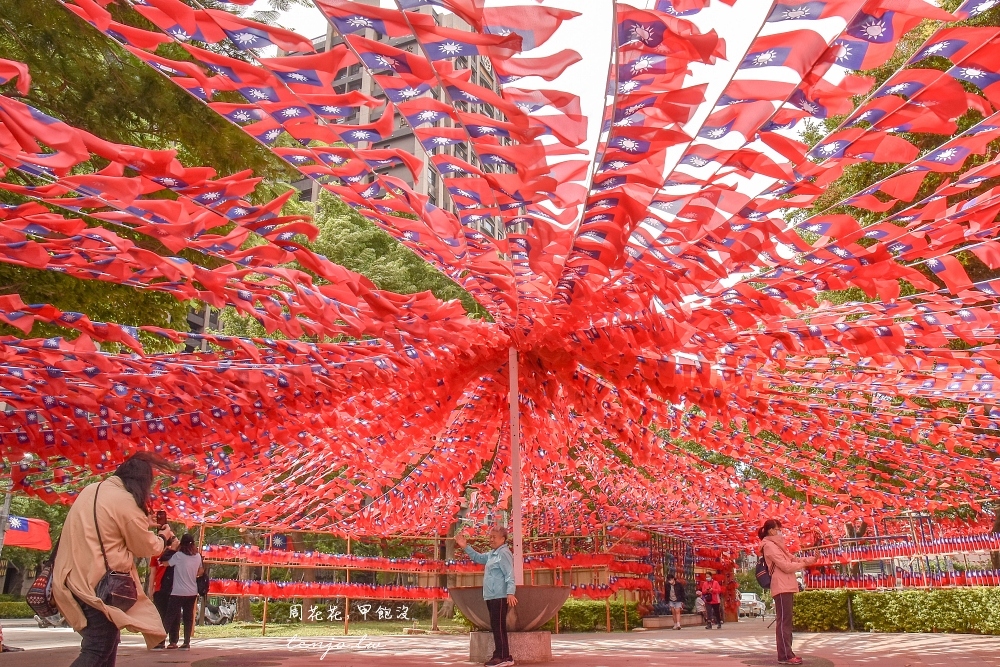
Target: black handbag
<point>203,582</point>
<point>115,589</point>
<point>762,573</point>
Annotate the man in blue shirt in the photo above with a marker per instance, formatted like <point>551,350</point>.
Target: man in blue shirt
<point>498,589</point>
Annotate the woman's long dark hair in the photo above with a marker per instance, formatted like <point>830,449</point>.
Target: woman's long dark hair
<point>187,545</point>
<point>136,474</point>
<point>768,526</point>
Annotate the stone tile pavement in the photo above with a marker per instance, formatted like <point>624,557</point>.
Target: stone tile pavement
<point>748,644</point>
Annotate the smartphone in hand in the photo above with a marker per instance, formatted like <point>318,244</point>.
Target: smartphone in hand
<point>161,518</point>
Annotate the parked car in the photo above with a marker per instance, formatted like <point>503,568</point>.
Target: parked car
<point>751,605</point>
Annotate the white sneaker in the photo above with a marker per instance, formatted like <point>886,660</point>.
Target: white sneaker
<point>505,663</point>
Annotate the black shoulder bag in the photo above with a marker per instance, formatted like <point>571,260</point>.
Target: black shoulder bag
<point>762,573</point>
<point>115,589</point>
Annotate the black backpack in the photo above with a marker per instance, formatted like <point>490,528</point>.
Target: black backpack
<point>762,573</point>
<point>203,582</point>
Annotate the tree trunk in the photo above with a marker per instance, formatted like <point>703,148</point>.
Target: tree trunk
<point>856,531</point>
<point>243,611</point>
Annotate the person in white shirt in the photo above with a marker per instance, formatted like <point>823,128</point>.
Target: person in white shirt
<point>188,567</point>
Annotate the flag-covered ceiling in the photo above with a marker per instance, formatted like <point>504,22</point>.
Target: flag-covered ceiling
<point>673,270</point>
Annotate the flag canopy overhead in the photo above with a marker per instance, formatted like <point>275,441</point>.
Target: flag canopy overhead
<point>672,269</point>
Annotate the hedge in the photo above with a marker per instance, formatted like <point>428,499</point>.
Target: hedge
<point>15,610</point>
<point>961,610</point>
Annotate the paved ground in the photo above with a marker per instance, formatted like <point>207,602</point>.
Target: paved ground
<point>748,644</point>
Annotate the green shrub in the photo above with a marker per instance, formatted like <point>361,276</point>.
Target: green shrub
<point>15,610</point>
<point>820,611</point>
<point>961,610</point>
<point>591,616</point>
<point>965,610</point>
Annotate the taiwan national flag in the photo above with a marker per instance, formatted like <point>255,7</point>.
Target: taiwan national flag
<point>798,50</point>
<point>980,71</point>
<point>672,8</point>
<point>470,11</point>
<point>425,111</point>
<point>444,43</point>
<point>956,44</point>
<point>972,8</point>
<point>351,17</point>
<point>946,159</point>
<point>789,10</point>
<point>667,35</point>
<point>379,57</point>
<point>402,88</point>
<point>312,71</point>
<point>277,541</point>
<point>247,34</point>
<point>27,533</point>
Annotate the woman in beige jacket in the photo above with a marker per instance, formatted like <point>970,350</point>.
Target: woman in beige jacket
<point>782,566</point>
<point>125,530</point>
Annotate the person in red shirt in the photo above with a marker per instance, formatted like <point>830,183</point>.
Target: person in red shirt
<point>713,601</point>
<point>163,583</point>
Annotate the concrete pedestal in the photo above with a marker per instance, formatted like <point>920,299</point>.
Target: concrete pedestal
<point>525,647</point>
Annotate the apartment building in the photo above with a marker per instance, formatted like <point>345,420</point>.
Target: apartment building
<point>356,77</point>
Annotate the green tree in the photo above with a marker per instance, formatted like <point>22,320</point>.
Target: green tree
<point>349,239</point>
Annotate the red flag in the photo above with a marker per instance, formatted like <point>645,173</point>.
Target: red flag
<point>137,37</point>
<point>547,67</point>
<point>27,533</point>
<point>535,25</point>
<point>10,69</point>
<point>535,99</point>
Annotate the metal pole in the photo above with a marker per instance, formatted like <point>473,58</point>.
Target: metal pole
<point>850,612</point>
<point>201,543</point>
<point>263,617</point>
<point>347,600</point>
<point>5,516</point>
<point>515,465</point>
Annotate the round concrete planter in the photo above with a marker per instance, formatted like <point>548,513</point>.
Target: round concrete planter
<point>535,606</point>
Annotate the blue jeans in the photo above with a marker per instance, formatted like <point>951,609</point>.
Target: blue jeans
<point>99,647</point>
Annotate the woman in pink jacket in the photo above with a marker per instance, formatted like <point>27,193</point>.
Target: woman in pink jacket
<point>782,566</point>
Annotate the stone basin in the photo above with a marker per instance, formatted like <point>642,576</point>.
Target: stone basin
<point>535,606</point>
